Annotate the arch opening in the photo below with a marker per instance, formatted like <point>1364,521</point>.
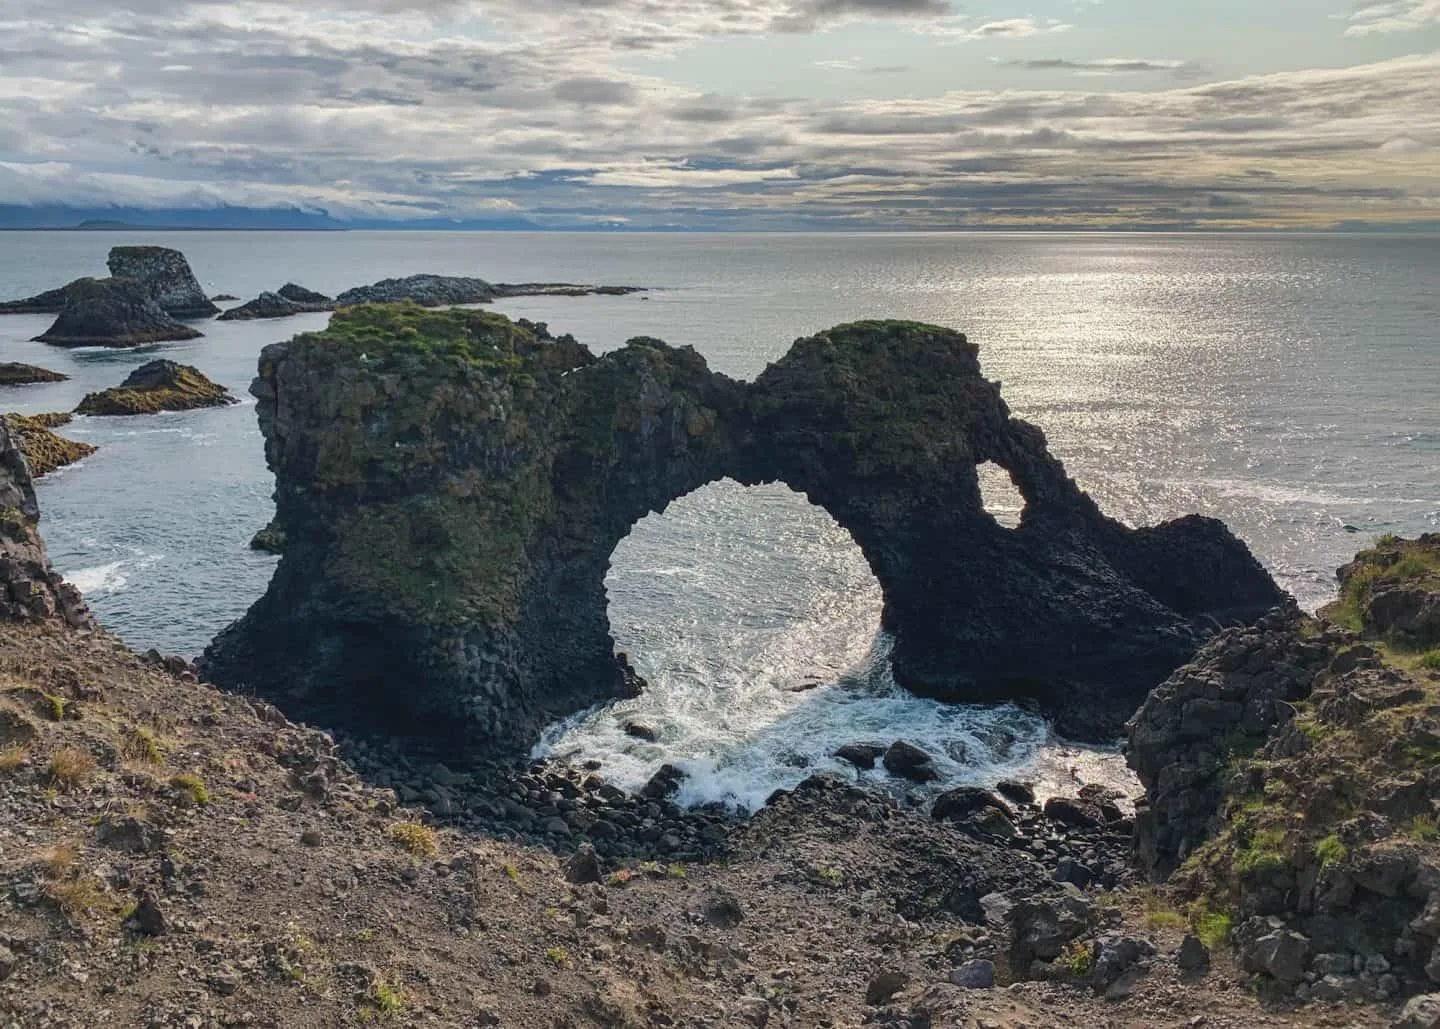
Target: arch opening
<point>1000,495</point>
<point>754,618</point>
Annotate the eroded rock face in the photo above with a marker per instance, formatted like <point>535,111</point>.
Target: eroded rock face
<point>157,386</point>
<point>450,487</point>
<point>166,275</point>
<point>52,301</point>
<point>113,312</point>
<point>44,450</point>
<point>30,589</point>
<point>425,290</point>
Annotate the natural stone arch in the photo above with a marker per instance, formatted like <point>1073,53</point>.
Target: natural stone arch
<point>450,486</point>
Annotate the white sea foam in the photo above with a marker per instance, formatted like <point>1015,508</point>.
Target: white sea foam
<point>101,579</point>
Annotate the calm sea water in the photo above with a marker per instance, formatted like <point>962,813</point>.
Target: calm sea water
<point>1286,384</point>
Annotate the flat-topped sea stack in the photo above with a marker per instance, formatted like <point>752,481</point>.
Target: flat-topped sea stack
<point>113,313</point>
<point>13,373</point>
<point>450,487</point>
<point>30,588</point>
<point>447,290</point>
<point>167,275</point>
<point>157,386</point>
<point>44,450</point>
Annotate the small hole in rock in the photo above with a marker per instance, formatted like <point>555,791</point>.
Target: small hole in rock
<point>1000,495</point>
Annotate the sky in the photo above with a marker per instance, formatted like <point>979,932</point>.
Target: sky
<point>733,114</point>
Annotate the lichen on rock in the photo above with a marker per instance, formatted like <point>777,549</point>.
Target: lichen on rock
<point>450,486</point>
<point>44,450</point>
<point>157,386</point>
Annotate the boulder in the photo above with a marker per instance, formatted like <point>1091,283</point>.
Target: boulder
<point>663,783</point>
<point>157,386</point>
<point>1192,955</point>
<point>910,762</point>
<point>641,730</point>
<point>44,450</point>
<point>1041,926</point>
<point>166,276</point>
<point>583,866</point>
<point>1422,1012</point>
<point>451,486</point>
<point>964,801</point>
<point>1113,956</point>
<point>1076,813</point>
<point>978,974</point>
<point>114,312</point>
<point>884,985</point>
<point>12,373</point>
<point>1016,792</point>
<point>1282,955</point>
<point>862,755</point>
<point>30,588</point>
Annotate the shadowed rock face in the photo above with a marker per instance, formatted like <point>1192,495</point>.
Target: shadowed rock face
<point>449,510</point>
<point>30,589</point>
<point>167,276</point>
<point>112,313</point>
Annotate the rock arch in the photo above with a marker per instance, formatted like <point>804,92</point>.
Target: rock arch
<point>451,485</point>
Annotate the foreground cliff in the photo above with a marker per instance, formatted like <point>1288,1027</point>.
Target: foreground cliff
<point>450,487</point>
<point>1292,779</point>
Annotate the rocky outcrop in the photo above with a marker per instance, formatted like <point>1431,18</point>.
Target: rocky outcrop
<point>425,290</point>
<point>30,589</point>
<point>300,295</point>
<point>166,275</point>
<point>112,313</point>
<point>157,386</point>
<point>444,290</point>
<point>269,305</point>
<point>15,374</point>
<point>450,487</point>
<point>45,451</point>
<point>1292,778</point>
<point>1391,592</point>
<point>52,301</point>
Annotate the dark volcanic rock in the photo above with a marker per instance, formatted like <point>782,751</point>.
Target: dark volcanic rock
<point>270,305</point>
<point>52,301</point>
<point>450,488</point>
<point>300,295</point>
<point>166,275</point>
<point>112,313</point>
<point>15,374</point>
<point>910,762</point>
<point>425,290</point>
<point>45,451</point>
<point>157,386</point>
<point>30,589</point>
<point>964,801</point>
<point>861,755</point>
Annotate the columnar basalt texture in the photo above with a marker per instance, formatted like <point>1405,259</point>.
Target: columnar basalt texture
<point>166,275</point>
<point>30,589</point>
<point>451,485</point>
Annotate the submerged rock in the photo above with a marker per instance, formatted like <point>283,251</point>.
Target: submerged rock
<point>114,312</point>
<point>43,449</point>
<point>910,762</point>
<point>157,386</point>
<point>451,486</point>
<point>12,373</point>
<point>30,588</point>
<point>166,275</point>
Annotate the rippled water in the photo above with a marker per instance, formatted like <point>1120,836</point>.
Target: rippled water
<point>1285,384</point>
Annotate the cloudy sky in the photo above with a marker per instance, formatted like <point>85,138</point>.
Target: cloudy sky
<point>732,113</point>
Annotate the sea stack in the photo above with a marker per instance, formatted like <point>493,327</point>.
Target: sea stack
<point>167,276</point>
<point>450,487</point>
<point>157,386</point>
<point>43,449</point>
<point>112,312</point>
<point>30,589</point>
<point>13,373</point>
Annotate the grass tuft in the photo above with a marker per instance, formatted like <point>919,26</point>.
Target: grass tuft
<point>558,956</point>
<point>192,787</point>
<point>139,745</point>
<point>70,767</point>
<point>13,758</point>
<point>418,839</point>
<point>1331,851</point>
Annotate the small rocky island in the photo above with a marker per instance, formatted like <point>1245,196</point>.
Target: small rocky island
<point>13,373</point>
<point>157,386</point>
<point>44,450</point>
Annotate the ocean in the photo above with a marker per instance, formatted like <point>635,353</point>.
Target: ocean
<point>1287,384</point>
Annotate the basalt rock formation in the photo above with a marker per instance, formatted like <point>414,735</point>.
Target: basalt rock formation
<point>30,589</point>
<point>300,295</point>
<point>443,290</point>
<point>113,312</point>
<point>44,450</point>
<point>52,301</point>
<point>450,487</point>
<point>271,305</point>
<point>166,275</point>
<point>1292,787</point>
<point>13,373</point>
<point>157,386</point>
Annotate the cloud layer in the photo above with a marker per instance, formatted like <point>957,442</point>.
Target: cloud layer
<point>417,108</point>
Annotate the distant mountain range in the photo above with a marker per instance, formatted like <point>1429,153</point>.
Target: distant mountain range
<point>132,219</point>
<point>100,219</point>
